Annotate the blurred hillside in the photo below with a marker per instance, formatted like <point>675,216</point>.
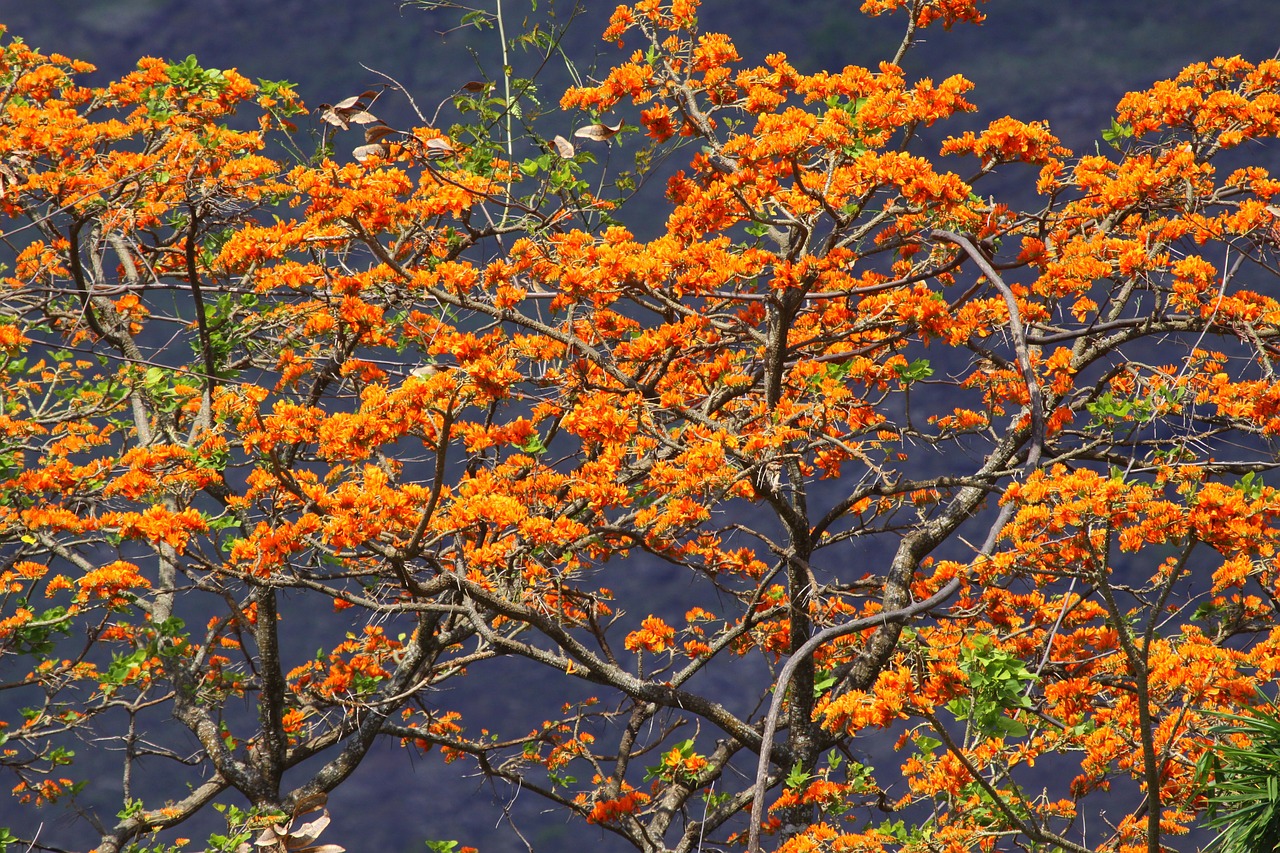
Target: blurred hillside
<point>1067,62</point>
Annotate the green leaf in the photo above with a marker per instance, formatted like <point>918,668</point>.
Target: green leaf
<point>823,684</point>
<point>913,372</point>
<point>1242,794</point>
<point>533,445</point>
<point>1250,485</point>
<point>1117,132</point>
<point>797,777</point>
<point>441,846</point>
<point>926,744</point>
<point>1204,611</point>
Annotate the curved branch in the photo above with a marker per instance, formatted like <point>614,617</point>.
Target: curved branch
<point>824,636</point>
<point>202,321</point>
<point>1035,399</point>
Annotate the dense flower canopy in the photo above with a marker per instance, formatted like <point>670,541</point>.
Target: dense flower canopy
<point>988,482</point>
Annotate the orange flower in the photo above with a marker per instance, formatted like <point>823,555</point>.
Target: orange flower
<point>653,635</point>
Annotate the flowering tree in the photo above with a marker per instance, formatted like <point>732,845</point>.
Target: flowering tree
<point>990,481</point>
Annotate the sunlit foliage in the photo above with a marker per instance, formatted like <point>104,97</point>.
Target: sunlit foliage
<point>431,395</point>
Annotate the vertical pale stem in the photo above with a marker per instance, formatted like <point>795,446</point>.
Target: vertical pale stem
<point>506,95</point>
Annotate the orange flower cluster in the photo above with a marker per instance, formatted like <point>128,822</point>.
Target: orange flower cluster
<point>653,635</point>
<point>609,811</point>
<point>949,12</point>
<point>428,412</point>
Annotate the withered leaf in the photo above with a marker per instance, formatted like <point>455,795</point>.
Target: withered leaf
<point>310,803</point>
<point>7,177</point>
<point>438,147</point>
<point>354,101</point>
<point>271,836</point>
<point>563,147</point>
<point>597,132</point>
<point>374,132</point>
<point>328,114</point>
<point>309,831</point>
<point>365,153</point>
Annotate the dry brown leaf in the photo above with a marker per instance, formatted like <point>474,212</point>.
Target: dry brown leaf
<point>8,177</point>
<point>597,132</point>
<point>310,831</point>
<point>438,147</point>
<point>328,114</point>
<point>310,803</point>
<point>354,101</point>
<point>563,147</point>
<point>475,86</point>
<point>272,836</point>
<point>374,132</point>
<point>362,117</point>
<point>365,153</point>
